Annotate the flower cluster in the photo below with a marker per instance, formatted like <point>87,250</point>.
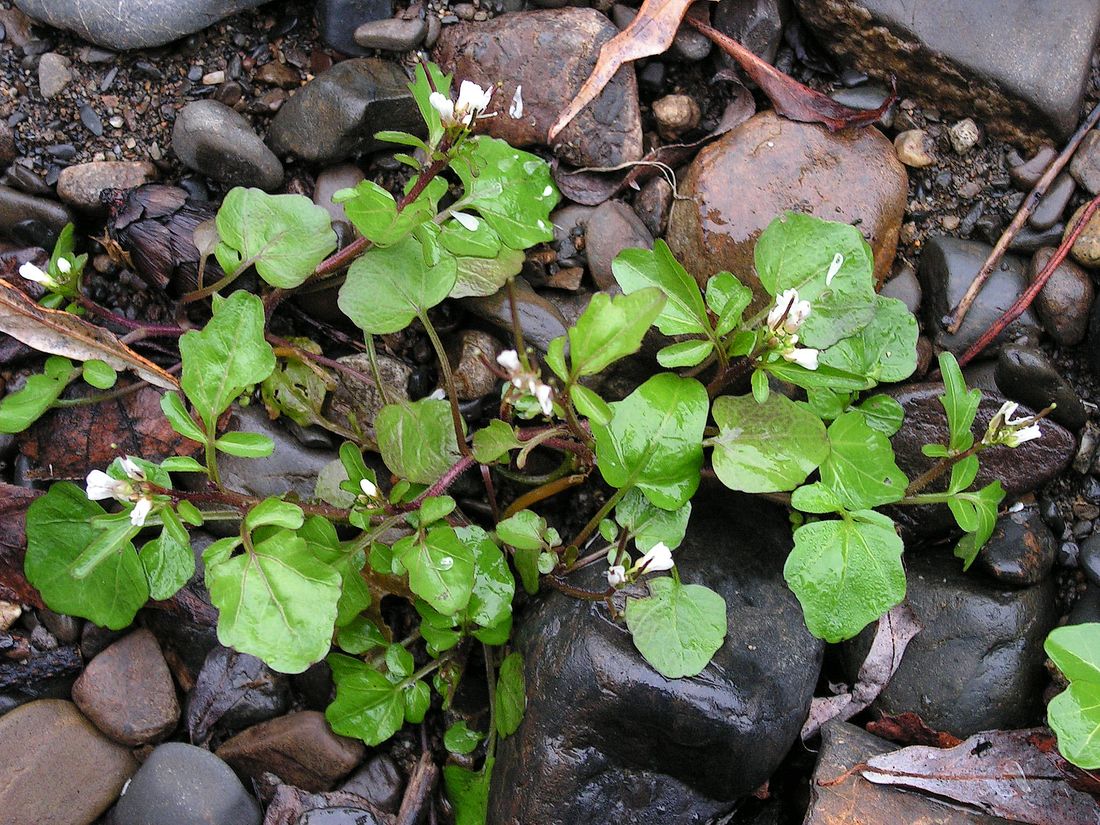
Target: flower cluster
<point>1004,430</point>
<point>526,380</point>
<point>784,321</point>
<point>472,101</point>
<point>33,273</point>
<point>102,486</point>
<point>658,559</point>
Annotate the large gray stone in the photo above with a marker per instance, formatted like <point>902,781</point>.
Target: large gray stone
<point>336,114</point>
<point>133,24</point>
<point>1019,66</point>
<point>31,220</point>
<point>211,138</point>
<point>607,739</point>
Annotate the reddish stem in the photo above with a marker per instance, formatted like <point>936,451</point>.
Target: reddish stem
<point>153,330</point>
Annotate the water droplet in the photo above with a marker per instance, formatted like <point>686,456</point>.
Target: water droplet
<point>446,563</point>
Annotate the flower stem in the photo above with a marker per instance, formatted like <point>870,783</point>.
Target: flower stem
<point>449,383</point>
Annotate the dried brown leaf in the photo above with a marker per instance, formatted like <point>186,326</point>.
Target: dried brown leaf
<point>909,729</point>
<point>62,333</point>
<point>1001,772</point>
<point>790,98</point>
<point>650,33</point>
<point>14,586</point>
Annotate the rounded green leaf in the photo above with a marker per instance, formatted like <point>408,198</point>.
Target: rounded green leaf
<point>460,739</point>
<point>766,448</point>
<point>417,439</point>
<point>860,467</point>
<point>684,313</point>
<point>441,568</point>
<point>367,705</point>
<point>1074,716</point>
<point>678,627</point>
<point>511,694</point>
<point>1075,649</point>
<point>99,374</point>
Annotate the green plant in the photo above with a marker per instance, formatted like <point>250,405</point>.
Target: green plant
<point>302,581</point>
<point>1074,714</point>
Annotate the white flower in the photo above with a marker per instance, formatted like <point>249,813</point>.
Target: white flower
<point>616,575</point>
<point>472,100</point>
<point>1029,433</point>
<point>516,109</point>
<point>1009,431</point>
<point>368,488</point>
<point>33,273</point>
<point>64,265</point>
<point>132,470</point>
<point>803,356</point>
<point>438,394</point>
<point>140,511</point>
<point>788,312</point>
<point>444,105</point>
<point>542,394</point>
<point>657,559</point>
<point>834,268</point>
<point>509,359</point>
<point>101,486</point>
<point>469,222</point>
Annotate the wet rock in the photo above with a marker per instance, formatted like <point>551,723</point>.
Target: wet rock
<point>675,115</point>
<point>95,639</point>
<point>277,74</point>
<point>1065,302</point>
<point>1050,208</point>
<point>857,801</point>
<point>338,815</point>
<point>653,204</point>
<point>470,356</point>
<point>570,223</point>
<point>332,180</point>
<point>947,268</point>
<point>1020,470</point>
<point>356,397</point>
<point>542,321</point>
<point>527,48</point>
<point>978,663</point>
<point>964,135</point>
<point>1086,249</point>
<point>767,165</point>
<point>1026,175</point>
<point>31,220</point>
<point>1085,164</point>
<point>1022,549</point>
<point>1031,240</point>
<point>379,781</point>
<point>211,138</point>
<point>127,691</point>
<point>1089,559</point>
<point>132,24</point>
<point>55,72</point>
<point>906,288</point>
<point>337,21</point>
<point>1024,374</point>
<point>394,35</point>
<point>299,748</point>
<point>1087,607</point>
<point>185,785</point>
<point>59,769</point>
<point>233,691</point>
<point>81,185</point>
<point>915,148</point>
<point>8,149</point>
<point>335,115</point>
<point>755,24</point>
<point>613,227</point>
<point>607,739</point>
<point>1028,86</point>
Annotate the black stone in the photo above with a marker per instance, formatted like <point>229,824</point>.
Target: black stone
<point>1022,549</point>
<point>337,21</point>
<point>233,691</point>
<point>1089,559</point>
<point>1024,374</point>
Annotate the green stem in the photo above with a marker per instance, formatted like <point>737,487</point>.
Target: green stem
<point>372,357</point>
<point>449,383</point>
<point>491,683</point>
<point>211,453</point>
<point>420,674</point>
<point>939,468</point>
<point>594,522</point>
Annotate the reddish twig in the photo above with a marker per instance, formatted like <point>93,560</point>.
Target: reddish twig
<point>958,315</point>
<point>1024,301</point>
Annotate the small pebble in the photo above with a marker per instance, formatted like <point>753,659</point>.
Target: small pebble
<point>1085,165</point>
<point>964,135</point>
<point>91,120</point>
<point>675,115</point>
<point>914,148</point>
<point>213,78</point>
<point>1026,175</point>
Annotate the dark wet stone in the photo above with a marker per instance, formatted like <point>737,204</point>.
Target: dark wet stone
<point>379,781</point>
<point>186,643</point>
<point>1049,210</point>
<point>337,21</point>
<point>211,138</point>
<point>1031,84</point>
<point>906,288</point>
<point>90,119</point>
<point>66,629</point>
<point>857,801</point>
<point>737,185</point>
<point>185,785</point>
<point>1030,240</point>
<point>524,50</point>
<point>128,693</point>
<point>1020,470</point>
<point>1024,374</point>
<point>947,267</point>
<point>611,228</point>
<point>1021,550</point>
<point>1026,175</point>
<point>59,770</point>
<point>336,114</point>
<point>1087,607</point>
<point>755,24</point>
<point>300,748</point>
<point>1085,164</point>
<point>978,663</point>
<point>29,219</point>
<point>542,322</point>
<point>1089,559</point>
<point>340,815</point>
<point>394,35</point>
<point>132,24</point>
<point>234,690</point>
<point>654,203</point>
<point>607,739</point>
<point>1064,303</point>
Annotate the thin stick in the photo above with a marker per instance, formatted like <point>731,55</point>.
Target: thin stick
<point>1024,301</point>
<point>955,319</point>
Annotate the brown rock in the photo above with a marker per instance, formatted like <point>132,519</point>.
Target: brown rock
<point>1086,249</point>
<point>769,165</point>
<point>915,148</point>
<point>8,151</point>
<point>58,769</point>
<point>299,748</point>
<point>356,400</point>
<point>1066,301</point>
<point>676,114</point>
<point>127,691</point>
<point>470,356</point>
<point>856,801</point>
<point>526,50</point>
<point>613,227</point>
<point>277,74</point>
<point>80,185</point>
<point>1085,165</point>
